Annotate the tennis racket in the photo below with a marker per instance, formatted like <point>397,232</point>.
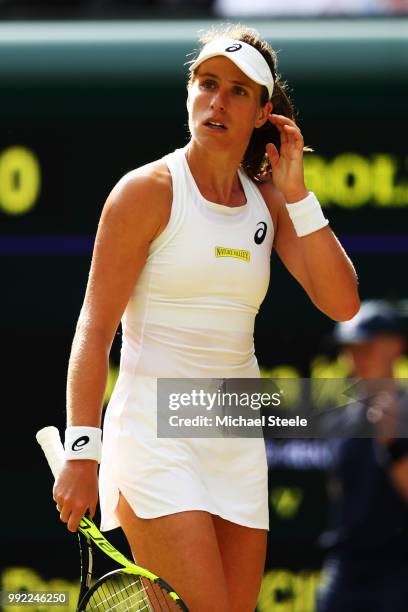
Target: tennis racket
<point>129,588</point>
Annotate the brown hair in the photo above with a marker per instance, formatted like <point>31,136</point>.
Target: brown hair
<point>256,162</point>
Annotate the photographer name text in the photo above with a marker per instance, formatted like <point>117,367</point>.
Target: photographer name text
<point>238,421</point>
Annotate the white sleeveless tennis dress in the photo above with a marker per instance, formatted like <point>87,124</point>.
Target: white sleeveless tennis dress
<point>191,314</point>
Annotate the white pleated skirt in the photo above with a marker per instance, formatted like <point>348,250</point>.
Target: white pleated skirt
<point>160,476</point>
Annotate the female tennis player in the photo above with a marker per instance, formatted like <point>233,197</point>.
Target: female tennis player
<point>182,256</point>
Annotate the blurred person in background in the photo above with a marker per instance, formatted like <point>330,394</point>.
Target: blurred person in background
<point>302,8</point>
<point>367,565</point>
<point>399,7</point>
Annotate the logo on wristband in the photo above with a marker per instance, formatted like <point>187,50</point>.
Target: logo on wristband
<point>80,443</point>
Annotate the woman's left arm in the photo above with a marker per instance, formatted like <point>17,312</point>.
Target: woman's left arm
<point>316,259</point>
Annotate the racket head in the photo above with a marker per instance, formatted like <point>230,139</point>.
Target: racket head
<point>125,589</point>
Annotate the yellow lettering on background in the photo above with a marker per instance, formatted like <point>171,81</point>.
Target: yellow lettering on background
<point>112,378</point>
<point>20,180</point>
<point>350,180</point>
<point>286,501</point>
<point>315,177</point>
<point>285,591</point>
<point>384,169</point>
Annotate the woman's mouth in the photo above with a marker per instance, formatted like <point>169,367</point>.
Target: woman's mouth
<point>215,125</point>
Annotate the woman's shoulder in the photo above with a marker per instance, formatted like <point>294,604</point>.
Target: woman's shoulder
<point>142,197</point>
<point>153,179</point>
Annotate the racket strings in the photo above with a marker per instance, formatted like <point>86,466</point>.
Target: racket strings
<point>124,592</point>
<point>122,597</point>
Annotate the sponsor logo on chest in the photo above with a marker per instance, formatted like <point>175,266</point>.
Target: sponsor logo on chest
<point>221,251</point>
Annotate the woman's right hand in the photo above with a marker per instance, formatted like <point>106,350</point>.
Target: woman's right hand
<point>76,491</point>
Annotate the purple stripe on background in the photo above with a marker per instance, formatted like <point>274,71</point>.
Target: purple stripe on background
<point>375,244</point>
<point>46,245</point>
<point>363,244</point>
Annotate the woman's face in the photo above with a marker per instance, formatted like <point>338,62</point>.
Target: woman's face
<point>224,105</point>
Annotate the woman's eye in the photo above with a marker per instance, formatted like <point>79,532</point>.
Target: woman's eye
<point>239,91</point>
<point>208,84</point>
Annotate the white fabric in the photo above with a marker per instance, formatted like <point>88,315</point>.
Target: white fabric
<point>307,215</point>
<point>245,56</point>
<point>83,443</point>
<point>191,314</point>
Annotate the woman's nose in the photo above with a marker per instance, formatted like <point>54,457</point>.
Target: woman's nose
<point>218,101</point>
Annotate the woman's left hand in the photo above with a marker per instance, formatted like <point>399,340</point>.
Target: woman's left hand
<point>287,166</point>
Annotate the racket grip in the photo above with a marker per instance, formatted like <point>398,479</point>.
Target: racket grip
<point>49,440</point>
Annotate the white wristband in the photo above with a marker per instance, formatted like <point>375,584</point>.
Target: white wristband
<point>307,215</point>
<point>83,443</point>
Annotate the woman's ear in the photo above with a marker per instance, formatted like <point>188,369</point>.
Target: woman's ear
<point>263,114</point>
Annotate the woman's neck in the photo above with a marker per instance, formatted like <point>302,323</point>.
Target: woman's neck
<point>215,175</point>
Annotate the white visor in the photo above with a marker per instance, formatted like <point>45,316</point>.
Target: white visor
<point>246,57</point>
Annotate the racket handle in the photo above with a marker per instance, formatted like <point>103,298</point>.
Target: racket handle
<point>49,440</point>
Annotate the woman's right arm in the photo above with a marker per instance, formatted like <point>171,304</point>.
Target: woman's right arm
<point>135,213</point>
